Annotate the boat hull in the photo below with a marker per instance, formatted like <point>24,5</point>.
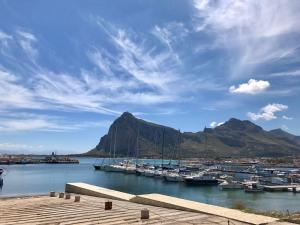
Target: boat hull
<point>190,181</point>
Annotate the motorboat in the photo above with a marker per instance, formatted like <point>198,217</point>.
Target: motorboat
<point>173,177</point>
<point>1,171</point>
<point>130,169</point>
<point>149,172</point>
<point>229,184</point>
<point>158,173</point>
<point>99,167</point>
<point>203,178</point>
<point>254,187</point>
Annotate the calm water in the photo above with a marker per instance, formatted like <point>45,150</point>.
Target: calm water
<point>42,178</point>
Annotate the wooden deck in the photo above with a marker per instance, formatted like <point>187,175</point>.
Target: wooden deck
<point>90,210</point>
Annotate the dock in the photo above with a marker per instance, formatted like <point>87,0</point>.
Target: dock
<point>90,210</point>
<point>104,206</point>
<point>281,187</point>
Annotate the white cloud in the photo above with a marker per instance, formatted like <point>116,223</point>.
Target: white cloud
<point>215,124</point>
<point>252,87</point>
<point>259,35</point>
<point>26,40</point>
<point>284,127</point>
<point>287,117</point>
<point>267,112</point>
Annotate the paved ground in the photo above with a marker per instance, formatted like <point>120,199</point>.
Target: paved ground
<point>90,210</point>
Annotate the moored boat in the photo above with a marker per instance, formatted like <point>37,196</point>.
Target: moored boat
<point>173,177</point>
<point>201,179</point>
<point>230,184</point>
<point>254,187</point>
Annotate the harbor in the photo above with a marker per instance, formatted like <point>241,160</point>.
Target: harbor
<point>33,179</point>
<point>251,178</point>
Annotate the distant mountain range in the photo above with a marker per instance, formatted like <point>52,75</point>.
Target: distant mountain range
<point>130,136</point>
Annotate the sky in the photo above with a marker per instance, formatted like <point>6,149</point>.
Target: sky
<point>69,68</point>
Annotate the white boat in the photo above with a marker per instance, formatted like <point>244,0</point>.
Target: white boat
<point>254,187</point>
<point>140,171</point>
<point>230,184</point>
<point>130,169</point>
<point>158,173</point>
<point>149,172</point>
<point>114,168</point>
<point>203,178</point>
<point>173,177</point>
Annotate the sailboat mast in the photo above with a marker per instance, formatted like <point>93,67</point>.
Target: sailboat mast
<point>179,149</point>
<point>116,131</point>
<point>137,146</point>
<point>110,147</point>
<point>162,148</point>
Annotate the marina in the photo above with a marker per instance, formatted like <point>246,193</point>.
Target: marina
<point>254,179</point>
<point>30,179</point>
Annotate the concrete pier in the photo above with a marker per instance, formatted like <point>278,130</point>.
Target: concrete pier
<point>164,201</point>
<point>43,210</point>
<point>92,190</point>
<point>281,187</point>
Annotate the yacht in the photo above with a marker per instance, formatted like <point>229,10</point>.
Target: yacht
<point>230,184</point>
<point>158,173</point>
<point>149,172</point>
<point>173,177</point>
<point>201,179</point>
<point>254,187</point>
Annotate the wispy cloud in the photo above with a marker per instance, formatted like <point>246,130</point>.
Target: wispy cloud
<point>251,87</point>
<point>18,146</point>
<point>17,122</point>
<point>260,34</point>
<point>286,73</point>
<point>4,38</point>
<point>267,112</point>
<point>27,41</point>
<point>287,117</point>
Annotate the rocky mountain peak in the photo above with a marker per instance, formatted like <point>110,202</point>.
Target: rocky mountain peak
<point>240,125</point>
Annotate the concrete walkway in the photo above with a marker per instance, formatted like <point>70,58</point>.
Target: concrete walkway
<point>182,204</point>
<point>92,190</point>
<point>170,202</point>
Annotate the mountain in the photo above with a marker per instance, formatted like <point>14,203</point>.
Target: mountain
<point>130,136</point>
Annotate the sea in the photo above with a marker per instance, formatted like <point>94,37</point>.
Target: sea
<point>34,179</point>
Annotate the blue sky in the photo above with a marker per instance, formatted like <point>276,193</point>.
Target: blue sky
<point>69,68</point>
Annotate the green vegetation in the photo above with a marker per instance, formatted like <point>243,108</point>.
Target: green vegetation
<point>283,216</point>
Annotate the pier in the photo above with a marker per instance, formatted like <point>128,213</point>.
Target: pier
<point>95,205</point>
<point>281,187</point>
<point>52,159</point>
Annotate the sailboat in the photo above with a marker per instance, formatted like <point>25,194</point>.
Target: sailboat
<point>104,166</point>
<point>174,175</point>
